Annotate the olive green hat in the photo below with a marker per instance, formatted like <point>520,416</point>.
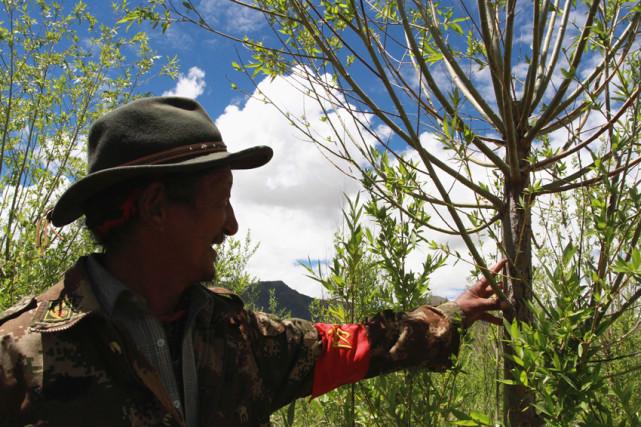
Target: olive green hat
<point>149,136</point>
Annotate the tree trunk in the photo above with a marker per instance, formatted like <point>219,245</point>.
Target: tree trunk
<point>517,240</point>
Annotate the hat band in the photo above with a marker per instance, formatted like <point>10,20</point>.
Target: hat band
<point>177,153</point>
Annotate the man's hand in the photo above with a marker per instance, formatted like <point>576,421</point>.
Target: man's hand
<point>477,300</point>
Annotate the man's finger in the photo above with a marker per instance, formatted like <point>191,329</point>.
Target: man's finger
<point>498,267</point>
<point>494,271</point>
<point>489,290</point>
<point>490,318</point>
<point>483,285</point>
<point>489,304</point>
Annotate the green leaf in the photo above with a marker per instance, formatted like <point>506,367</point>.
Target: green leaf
<point>514,330</point>
<point>291,410</point>
<point>518,360</point>
<point>523,378</point>
<point>556,361</point>
<point>636,258</point>
<point>481,418</point>
<point>466,423</point>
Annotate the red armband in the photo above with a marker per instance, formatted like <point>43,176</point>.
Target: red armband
<point>344,358</point>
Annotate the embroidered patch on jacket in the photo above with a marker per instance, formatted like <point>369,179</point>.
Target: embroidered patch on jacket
<point>339,337</point>
<point>57,311</point>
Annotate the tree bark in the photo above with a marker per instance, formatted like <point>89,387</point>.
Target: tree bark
<point>517,241</point>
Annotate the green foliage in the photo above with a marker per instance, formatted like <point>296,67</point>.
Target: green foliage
<point>60,69</point>
<point>354,283</point>
<point>231,267</point>
<point>397,236</point>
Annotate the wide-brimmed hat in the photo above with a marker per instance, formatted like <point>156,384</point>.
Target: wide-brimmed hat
<point>149,136</point>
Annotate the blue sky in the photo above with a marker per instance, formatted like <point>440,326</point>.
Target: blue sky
<point>206,59</point>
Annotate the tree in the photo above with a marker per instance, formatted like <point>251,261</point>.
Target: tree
<point>540,96</point>
<point>60,69</point>
<point>231,267</point>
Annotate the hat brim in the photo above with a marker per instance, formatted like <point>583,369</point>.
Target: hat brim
<point>70,206</point>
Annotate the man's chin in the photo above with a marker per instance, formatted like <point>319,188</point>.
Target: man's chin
<point>207,278</point>
<point>210,278</point>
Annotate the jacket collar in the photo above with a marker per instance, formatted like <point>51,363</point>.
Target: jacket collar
<point>66,303</point>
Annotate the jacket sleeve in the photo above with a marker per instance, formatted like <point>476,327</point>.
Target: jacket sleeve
<point>425,337</point>
<point>285,352</point>
<point>298,358</point>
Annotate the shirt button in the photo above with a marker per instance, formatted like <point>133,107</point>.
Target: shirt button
<point>177,404</point>
<point>160,343</point>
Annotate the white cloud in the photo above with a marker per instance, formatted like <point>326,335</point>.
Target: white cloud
<point>293,204</point>
<point>191,85</point>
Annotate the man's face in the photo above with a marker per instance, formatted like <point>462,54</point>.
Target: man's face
<point>195,228</point>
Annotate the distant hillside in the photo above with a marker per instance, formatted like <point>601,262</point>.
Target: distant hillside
<point>293,302</point>
<point>288,299</point>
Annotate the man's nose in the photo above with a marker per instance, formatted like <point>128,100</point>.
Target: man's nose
<point>231,225</point>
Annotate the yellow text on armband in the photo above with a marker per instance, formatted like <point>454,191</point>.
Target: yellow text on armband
<point>340,338</point>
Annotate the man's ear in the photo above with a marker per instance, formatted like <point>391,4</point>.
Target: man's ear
<point>151,205</point>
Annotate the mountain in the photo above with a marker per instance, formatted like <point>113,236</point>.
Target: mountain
<point>288,300</point>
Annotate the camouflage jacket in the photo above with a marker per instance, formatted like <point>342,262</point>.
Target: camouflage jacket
<point>63,363</point>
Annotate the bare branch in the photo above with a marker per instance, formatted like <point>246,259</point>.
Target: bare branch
<point>555,188</point>
<point>606,127</point>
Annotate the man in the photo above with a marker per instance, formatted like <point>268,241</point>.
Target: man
<point>130,337</point>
